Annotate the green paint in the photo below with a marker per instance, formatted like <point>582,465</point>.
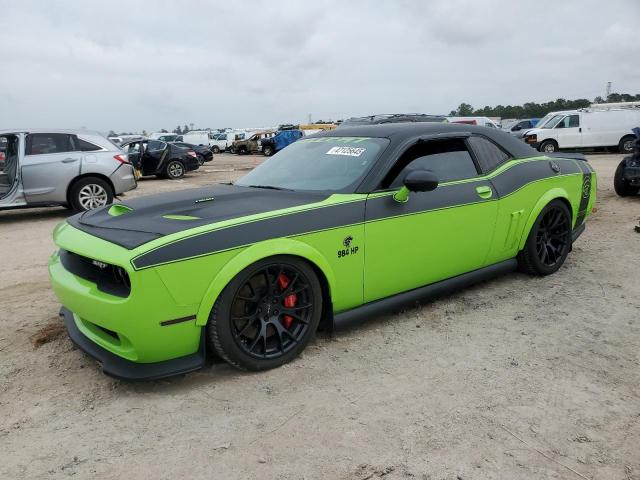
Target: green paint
<point>180,217</point>
<point>118,209</point>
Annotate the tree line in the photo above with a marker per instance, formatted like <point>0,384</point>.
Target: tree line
<point>538,110</point>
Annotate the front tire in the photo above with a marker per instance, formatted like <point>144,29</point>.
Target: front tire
<point>174,170</point>
<point>549,240</point>
<point>626,144</point>
<point>548,146</point>
<point>215,150</point>
<point>620,185</point>
<point>89,193</point>
<point>267,151</point>
<point>266,315</point>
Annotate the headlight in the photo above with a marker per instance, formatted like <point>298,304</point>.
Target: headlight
<point>531,138</point>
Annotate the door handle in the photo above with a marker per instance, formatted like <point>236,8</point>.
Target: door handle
<point>69,160</point>
<point>484,191</point>
<point>580,130</point>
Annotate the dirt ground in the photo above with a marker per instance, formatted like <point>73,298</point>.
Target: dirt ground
<point>517,378</point>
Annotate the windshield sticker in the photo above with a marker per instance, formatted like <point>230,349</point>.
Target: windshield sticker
<point>348,151</point>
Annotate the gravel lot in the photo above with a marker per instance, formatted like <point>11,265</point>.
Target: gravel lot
<point>516,378</point>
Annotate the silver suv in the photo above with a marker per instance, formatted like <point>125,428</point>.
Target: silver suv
<point>75,168</point>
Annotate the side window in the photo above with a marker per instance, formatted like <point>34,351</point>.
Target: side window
<point>223,137</point>
<point>574,121</point>
<point>155,145</point>
<point>133,147</point>
<point>448,159</point>
<point>488,154</point>
<point>85,146</point>
<point>46,143</point>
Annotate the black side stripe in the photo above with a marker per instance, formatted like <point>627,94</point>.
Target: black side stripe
<point>519,175</point>
<point>335,216</point>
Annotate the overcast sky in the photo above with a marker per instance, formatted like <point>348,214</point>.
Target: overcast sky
<point>133,65</point>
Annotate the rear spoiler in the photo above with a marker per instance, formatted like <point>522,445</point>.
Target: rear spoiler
<point>573,156</point>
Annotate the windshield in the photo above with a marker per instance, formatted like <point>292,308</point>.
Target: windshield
<point>553,121</point>
<point>320,164</point>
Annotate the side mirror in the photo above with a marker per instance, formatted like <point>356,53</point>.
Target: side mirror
<point>416,181</point>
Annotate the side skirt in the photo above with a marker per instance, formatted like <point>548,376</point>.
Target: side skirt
<point>368,310</point>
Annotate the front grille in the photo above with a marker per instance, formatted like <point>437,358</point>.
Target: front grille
<point>108,278</point>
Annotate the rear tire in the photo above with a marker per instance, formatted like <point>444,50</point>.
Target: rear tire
<point>89,193</point>
<point>250,325</point>
<point>549,241</point>
<point>620,185</point>
<point>174,170</point>
<point>548,146</point>
<point>626,144</point>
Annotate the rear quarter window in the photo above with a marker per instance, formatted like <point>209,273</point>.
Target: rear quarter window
<point>488,154</point>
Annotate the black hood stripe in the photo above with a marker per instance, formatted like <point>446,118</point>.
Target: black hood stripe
<point>353,212</point>
<point>252,232</point>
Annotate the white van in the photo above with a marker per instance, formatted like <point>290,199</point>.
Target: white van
<point>198,137</point>
<point>482,121</point>
<point>587,128</point>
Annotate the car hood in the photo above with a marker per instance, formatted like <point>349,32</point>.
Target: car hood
<point>138,221</point>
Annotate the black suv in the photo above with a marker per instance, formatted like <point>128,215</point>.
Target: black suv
<point>626,180</point>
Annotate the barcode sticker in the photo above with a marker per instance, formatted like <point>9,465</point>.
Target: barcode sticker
<point>348,151</point>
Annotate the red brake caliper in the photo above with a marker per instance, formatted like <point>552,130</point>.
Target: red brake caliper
<point>289,301</point>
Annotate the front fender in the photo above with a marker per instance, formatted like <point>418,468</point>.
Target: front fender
<point>542,202</point>
<point>254,253</point>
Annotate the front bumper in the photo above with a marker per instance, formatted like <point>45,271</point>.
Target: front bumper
<point>124,369</point>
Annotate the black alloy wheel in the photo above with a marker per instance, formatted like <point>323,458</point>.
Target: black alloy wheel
<point>552,240</point>
<point>267,314</point>
<point>549,240</point>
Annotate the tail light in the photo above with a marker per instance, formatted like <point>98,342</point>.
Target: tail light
<point>1,157</point>
<point>192,153</point>
<point>121,158</point>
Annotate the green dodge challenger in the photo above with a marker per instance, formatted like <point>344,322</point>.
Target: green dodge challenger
<point>333,229</point>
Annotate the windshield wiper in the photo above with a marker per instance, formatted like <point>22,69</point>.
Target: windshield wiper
<point>268,187</point>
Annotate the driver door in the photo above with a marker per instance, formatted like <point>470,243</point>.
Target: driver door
<point>569,132</point>
<point>153,156</point>
<point>433,235</point>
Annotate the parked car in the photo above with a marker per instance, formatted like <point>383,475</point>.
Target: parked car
<point>519,125</point>
<point>203,153</point>
<point>391,118</point>
<point>221,142</point>
<point>626,180</point>
<point>162,159</point>
<point>247,271</point>
<point>587,128</point>
<point>271,145</point>
<point>251,144</point>
<point>75,168</point>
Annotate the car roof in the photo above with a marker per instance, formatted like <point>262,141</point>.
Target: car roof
<point>90,135</point>
<point>400,132</point>
<point>71,131</point>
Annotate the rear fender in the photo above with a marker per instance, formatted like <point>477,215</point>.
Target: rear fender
<point>542,202</point>
<point>254,253</point>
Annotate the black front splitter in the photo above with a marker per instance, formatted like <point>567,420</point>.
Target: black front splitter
<point>123,369</point>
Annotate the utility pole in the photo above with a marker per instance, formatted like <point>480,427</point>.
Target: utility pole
<point>309,122</point>
<point>608,89</point>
